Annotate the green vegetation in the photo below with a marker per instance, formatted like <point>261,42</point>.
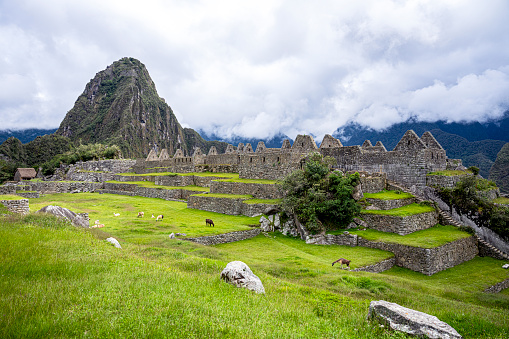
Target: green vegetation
<point>402,211</point>
<point>10,197</point>
<point>449,173</point>
<point>320,199</point>
<point>222,195</point>
<point>432,237</point>
<point>197,174</point>
<point>500,170</point>
<point>161,287</point>
<point>263,201</point>
<point>465,199</point>
<point>388,195</point>
<point>151,184</point>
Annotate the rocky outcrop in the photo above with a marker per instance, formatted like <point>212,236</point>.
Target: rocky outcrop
<point>114,242</point>
<point>62,212</point>
<point>239,274</point>
<point>413,322</point>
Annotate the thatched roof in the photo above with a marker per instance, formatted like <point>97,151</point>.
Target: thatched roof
<point>27,172</point>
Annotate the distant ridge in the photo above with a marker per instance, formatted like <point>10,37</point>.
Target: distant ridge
<point>25,135</point>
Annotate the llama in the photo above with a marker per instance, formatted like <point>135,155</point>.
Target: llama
<point>153,215</point>
<point>116,214</point>
<point>342,261</point>
<point>141,214</point>
<point>160,217</point>
<point>209,222</point>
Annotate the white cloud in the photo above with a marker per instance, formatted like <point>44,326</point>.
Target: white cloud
<point>258,68</point>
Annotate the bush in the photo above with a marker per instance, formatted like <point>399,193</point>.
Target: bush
<point>319,197</point>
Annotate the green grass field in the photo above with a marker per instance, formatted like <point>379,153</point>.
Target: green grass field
<point>501,200</point>
<point>449,173</point>
<point>250,181</point>
<point>197,174</point>
<point>402,211</point>
<point>388,195</point>
<point>59,281</point>
<point>224,195</point>
<point>10,197</point>
<point>151,184</point>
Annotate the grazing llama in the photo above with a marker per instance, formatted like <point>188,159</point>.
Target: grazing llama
<point>116,214</point>
<point>160,217</point>
<point>342,261</point>
<point>209,222</point>
<point>141,214</point>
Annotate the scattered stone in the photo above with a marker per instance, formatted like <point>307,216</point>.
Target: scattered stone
<point>346,232</point>
<point>265,225</point>
<point>371,207</point>
<point>413,322</point>
<point>360,222</point>
<point>114,242</point>
<point>62,212</point>
<point>277,221</point>
<point>239,274</point>
<point>357,193</point>
<point>506,266</point>
<point>172,235</point>
<point>351,225</point>
<point>180,234</point>
<point>289,229</point>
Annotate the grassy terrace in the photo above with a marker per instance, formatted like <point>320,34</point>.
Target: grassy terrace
<point>151,184</point>
<point>388,195</point>
<point>432,237</point>
<point>250,181</point>
<point>262,201</point>
<point>221,195</point>
<point>450,173</point>
<point>10,197</point>
<point>197,174</point>
<point>501,200</point>
<point>60,282</point>
<point>402,211</point>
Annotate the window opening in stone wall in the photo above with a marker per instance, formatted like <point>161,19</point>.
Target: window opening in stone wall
<point>263,159</point>
<point>250,159</point>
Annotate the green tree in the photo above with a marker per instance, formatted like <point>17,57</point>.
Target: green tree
<point>319,197</point>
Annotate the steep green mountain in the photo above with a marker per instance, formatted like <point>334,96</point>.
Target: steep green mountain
<point>120,105</point>
<point>500,169</point>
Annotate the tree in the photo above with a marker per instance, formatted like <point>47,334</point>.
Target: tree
<point>319,197</point>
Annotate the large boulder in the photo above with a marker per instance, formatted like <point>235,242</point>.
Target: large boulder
<point>239,274</point>
<point>266,225</point>
<point>63,212</point>
<point>410,321</point>
<point>114,242</point>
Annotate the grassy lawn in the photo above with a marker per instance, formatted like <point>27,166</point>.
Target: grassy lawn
<point>10,197</point>
<point>127,226</point>
<point>262,201</point>
<point>388,195</point>
<point>151,184</point>
<point>59,281</point>
<point>449,173</point>
<point>501,200</point>
<point>224,195</point>
<point>432,237</point>
<point>402,211</point>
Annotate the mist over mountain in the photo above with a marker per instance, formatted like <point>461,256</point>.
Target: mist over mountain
<point>25,135</point>
<point>274,142</point>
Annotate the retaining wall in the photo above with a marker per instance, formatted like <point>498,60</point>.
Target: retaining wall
<point>258,191</point>
<point>148,192</point>
<point>16,206</point>
<point>401,225</point>
<point>251,210</point>
<point>498,287</point>
<point>389,204</point>
<point>64,187</point>
<point>444,180</point>
<point>379,267</point>
<point>330,239</point>
<point>219,205</point>
<point>226,237</point>
<point>28,194</point>
<point>8,189</point>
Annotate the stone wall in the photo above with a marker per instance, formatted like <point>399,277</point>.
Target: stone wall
<point>251,210</point>
<point>16,206</point>
<point>344,239</point>
<point>379,267</point>
<point>64,187</point>
<point>373,182</point>
<point>269,165</point>
<point>428,260</point>
<point>28,194</point>
<point>180,180</point>
<point>489,194</point>
<point>444,180</point>
<point>258,191</point>
<point>401,225</point>
<point>219,205</point>
<point>389,204</point>
<point>148,192</point>
<point>10,189</point>
<point>498,287</point>
<point>79,175</point>
<point>110,165</point>
<point>226,237</point>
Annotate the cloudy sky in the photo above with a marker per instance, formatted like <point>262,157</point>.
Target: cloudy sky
<point>256,68</point>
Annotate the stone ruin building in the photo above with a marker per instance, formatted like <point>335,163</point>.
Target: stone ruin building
<point>408,163</point>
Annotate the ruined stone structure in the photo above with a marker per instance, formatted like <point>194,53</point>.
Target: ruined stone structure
<point>408,163</point>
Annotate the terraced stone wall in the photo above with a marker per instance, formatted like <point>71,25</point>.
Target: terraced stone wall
<point>8,189</point>
<point>226,237</point>
<point>443,180</point>
<point>401,225</point>
<point>332,239</point>
<point>219,205</point>
<point>428,260</point>
<point>373,182</point>
<point>389,204</point>
<point>16,206</point>
<point>64,187</point>
<point>148,192</point>
<point>259,191</point>
<point>251,210</point>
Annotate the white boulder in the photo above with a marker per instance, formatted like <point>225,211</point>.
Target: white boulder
<point>62,212</point>
<point>239,274</point>
<point>413,322</point>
